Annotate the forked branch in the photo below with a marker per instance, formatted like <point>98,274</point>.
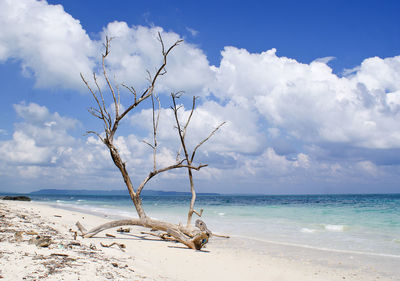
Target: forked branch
<point>189,159</point>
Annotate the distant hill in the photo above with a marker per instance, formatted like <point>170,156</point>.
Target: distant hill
<point>112,192</point>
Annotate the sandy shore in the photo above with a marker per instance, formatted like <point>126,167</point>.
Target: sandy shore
<point>22,256</point>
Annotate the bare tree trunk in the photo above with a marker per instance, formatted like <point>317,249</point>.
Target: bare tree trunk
<point>193,200</point>
<point>122,168</point>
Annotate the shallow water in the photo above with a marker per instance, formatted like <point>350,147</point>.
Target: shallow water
<point>342,223</point>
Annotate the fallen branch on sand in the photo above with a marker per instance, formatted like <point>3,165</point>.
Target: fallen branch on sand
<point>194,238</point>
<point>121,246</point>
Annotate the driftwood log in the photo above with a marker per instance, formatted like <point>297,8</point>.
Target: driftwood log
<point>194,238</point>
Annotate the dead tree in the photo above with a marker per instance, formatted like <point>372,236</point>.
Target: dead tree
<point>192,237</point>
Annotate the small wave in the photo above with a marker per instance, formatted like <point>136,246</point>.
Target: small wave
<point>221,214</point>
<point>335,227</point>
<point>308,230</point>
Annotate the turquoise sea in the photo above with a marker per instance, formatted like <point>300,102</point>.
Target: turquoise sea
<point>367,224</point>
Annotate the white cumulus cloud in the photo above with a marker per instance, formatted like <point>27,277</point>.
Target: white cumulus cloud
<point>310,102</point>
<point>49,43</point>
<point>34,142</point>
<point>284,119</point>
<point>136,49</point>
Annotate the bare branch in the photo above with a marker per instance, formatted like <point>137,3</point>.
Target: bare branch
<point>118,96</point>
<point>158,113</point>
<point>175,108</point>
<point>95,112</point>
<point>81,228</point>
<point>103,107</point>
<point>131,89</point>
<point>206,139</point>
<point>116,104</point>
<point>107,46</point>
<point>91,91</point>
<point>95,133</point>
<point>154,135</point>
<point>163,236</point>
<point>149,144</point>
<point>120,246</point>
<point>190,116</point>
<point>178,154</point>
<point>168,168</point>
<point>178,94</point>
<point>149,75</point>
<point>161,42</point>
<point>155,127</point>
<point>198,213</point>
<point>150,89</point>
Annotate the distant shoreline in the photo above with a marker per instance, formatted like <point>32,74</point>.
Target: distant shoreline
<point>150,192</point>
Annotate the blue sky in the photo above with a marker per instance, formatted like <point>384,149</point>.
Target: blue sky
<point>310,91</point>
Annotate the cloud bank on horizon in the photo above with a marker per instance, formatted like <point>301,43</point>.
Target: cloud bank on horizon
<point>291,127</point>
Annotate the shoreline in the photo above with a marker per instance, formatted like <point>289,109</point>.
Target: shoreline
<point>102,211</point>
<point>236,258</point>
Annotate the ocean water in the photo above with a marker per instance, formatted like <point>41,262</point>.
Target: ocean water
<point>367,224</point>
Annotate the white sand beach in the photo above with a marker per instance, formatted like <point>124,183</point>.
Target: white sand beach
<point>148,258</point>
